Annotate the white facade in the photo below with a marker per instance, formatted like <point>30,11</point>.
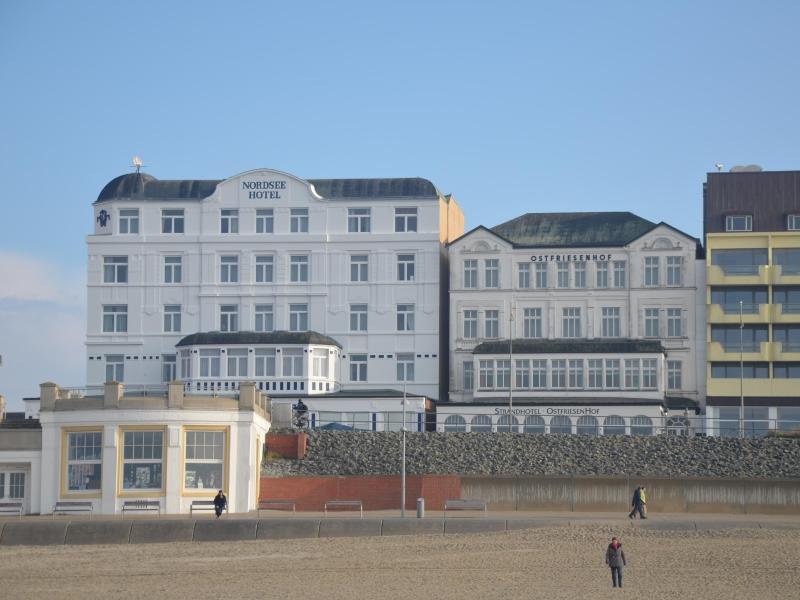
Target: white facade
<point>265,251</point>
<point>647,289</point>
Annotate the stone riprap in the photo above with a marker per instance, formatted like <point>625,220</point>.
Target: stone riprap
<point>508,454</point>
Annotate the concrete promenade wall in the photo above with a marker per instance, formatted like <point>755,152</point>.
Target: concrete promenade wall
<point>701,495</point>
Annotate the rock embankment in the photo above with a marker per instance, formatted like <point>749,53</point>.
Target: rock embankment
<point>508,454</point>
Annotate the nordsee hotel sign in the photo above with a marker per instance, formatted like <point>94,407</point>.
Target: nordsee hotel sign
<point>264,190</point>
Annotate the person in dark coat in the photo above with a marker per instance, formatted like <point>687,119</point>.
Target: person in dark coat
<point>615,558</point>
<point>220,503</point>
<point>639,503</point>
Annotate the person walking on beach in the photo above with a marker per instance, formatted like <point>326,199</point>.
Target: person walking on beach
<point>220,503</point>
<point>639,503</point>
<point>615,558</point>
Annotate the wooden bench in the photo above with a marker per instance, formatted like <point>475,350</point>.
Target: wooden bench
<point>11,508</point>
<point>277,504</point>
<point>62,508</point>
<point>141,506</point>
<point>344,504</point>
<point>464,504</point>
<point>203,505</point>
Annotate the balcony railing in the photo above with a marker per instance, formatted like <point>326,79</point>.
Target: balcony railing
<point>747,308</point>
<point>740,269</point>
<point>790,308</point>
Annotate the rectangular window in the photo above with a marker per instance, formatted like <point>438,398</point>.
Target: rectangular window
<point>746,261</point>
<point>651,275</point>
<point>358,367</point>
<point>674,322</point>
<point>405,317</point>
<point>491,324</point>
<point>752,370</point>
<point>524,272</point>
<point>358,317</point>
<point>538,374</point>
<point>298,317</point>
<point>558,373</point>
<point>172,318</point>
<point>470,324</point>
<point>115,269</point>
<point>265,220</point>
<point>265,362</point>
<point>359,268</point>
<point>522,374</point>
<point>575,373</point>
<point>405,367</point>
<point>739,223</point>
<point>788,259</point>
<point>204,463</point>
<point>229,220</point>
<point>580,274</point>
<point>611,321</point>
<point>172,220</point>
<point>674,375</point>
<point>237,362</point>
<point>602,274</point>
<point>649,374</point>
<point>173,267</point>
<point>115,318</point>
<point>486,374</point>
<point>115,367</point>
<point>595,366</point>
<point>84,460</point>
<point>186,364</point>
<point>405,267</point>
<point>142,456</point>
<point>298,269</point>
<point>129,220</point>
<point>562,275</point>
<point>319,365</point>
<point>405,219</point>
<point>571,322</point>
<point>229,317</point>
<point>265,317</point>
<point>747,338</point>
<point>298,220</point>
<point>750,297</point>
<point>209,363</point>
<point>541,276</point>
<point>292,362</point>
<point>652,327</point>
<point>619,274</point>
<point>358,220</point>
<point>612,374</point>
<point>469,376</point>
<point>169,368</point>
<point>503,373</point>
<point>471,274</point>
<point>632,373</point>
<point>265,269</point>
<point>674,268</point>
<point>229,269</point>
<point>793,222</point>
<point>491,273</point>
<point>532,322</point>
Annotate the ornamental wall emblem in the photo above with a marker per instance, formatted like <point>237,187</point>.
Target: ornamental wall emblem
<point>103,217</point>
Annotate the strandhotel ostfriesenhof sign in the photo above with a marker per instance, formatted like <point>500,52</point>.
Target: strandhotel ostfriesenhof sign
<point>584,257</point>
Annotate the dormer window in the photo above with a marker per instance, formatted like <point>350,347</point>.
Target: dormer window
<point>739,223</point>
<point>793,223</point>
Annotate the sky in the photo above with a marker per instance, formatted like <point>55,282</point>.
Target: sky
<point>512,107</point>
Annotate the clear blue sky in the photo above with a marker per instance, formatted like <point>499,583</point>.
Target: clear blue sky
<point>512,107</point>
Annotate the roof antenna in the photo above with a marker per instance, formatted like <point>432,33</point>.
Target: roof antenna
<point>719,166</point>
<point>136,162</point>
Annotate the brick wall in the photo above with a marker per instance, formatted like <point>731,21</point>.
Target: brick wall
<point>376,492</point>
<point>288,445</point>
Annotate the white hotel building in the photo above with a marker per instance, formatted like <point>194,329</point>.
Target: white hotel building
<point>328,290</point>
<point>601,312</point>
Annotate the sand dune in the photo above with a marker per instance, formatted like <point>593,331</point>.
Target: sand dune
<point>558,562</point>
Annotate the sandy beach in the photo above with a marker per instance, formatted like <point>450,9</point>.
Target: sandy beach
<point>556,562</point>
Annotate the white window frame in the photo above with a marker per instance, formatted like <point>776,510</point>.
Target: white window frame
<point>229,317</point>
<point>405,317</point>
<point>264,317</point>
<point>358,367</point>
<point>601,274</point>
<point>359,268</point>
<point>229,221</point>
<point>169,367</point>
<point>738,223</point>
<point>229,268</point>
<point>173,220</point>
<point>532,322</point>
<point>793,222</point>
<point>150,454</point>
<point>674,271</point>
<point>491,324</point>
<point>524,275</point>
<point>115,318</point>
<point>611,321</point>
<point>236,359</point>
<point>79,457</point>
<point>470,329</point>
<point>115,269</point>
<point>406,267</point>
<point>210,363</point>
<point>674,375</point>
<point>265,268</point>
<point>468,375</point>
<point>358,317</point>
<point>571,322</point>
<point>216,441</point>
<point>674,322</point>
<point>652,323</point>
<point>298,317</point>
<point>292,362</point>
<point>173,269</point>
<point>405,366</point>
<point>115,367</point>
<point>541,276</point>
<point>172,318</point>
<point>128,221</point>
<point>579,274</point>
<point>298,220</point>
<point>491,273</point>
<point>265,362</point>
<point>299,268</point>
<point>405,219</point>
<point>620,274</point>
<point>265,220</point>
<point>652,271</point>
<point>470,273</point>
<point>359,220</point>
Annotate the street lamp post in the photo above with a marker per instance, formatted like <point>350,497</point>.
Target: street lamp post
<point>741,369</point>
<point>403,468</point>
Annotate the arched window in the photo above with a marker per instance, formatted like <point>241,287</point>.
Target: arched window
<point>613,425</point>
<point>641,425</point>
<point>560,424</point>
<point>481,423</point>
<point>455,423</point>
<point>678,426</point>
<point>588,425</point>
<point>508,424</point>
<point>533,424</point>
